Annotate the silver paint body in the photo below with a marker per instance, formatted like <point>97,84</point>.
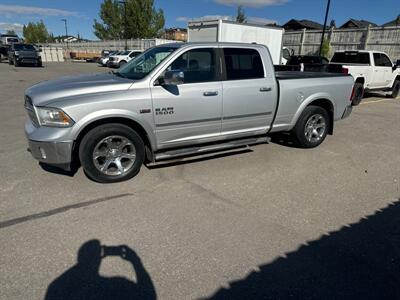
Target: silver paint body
<point>203,112</point>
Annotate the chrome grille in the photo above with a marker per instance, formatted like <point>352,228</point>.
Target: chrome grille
<point>31,111</point>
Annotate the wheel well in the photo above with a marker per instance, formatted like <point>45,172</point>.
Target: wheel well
<point>128,122</point>
<point>328,106</point>
<point>397,78</point>
<point>360,80</point>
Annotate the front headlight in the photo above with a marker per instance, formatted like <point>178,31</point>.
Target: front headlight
<point>53,117</point>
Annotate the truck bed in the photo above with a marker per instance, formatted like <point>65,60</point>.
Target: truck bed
<point>282,75</point>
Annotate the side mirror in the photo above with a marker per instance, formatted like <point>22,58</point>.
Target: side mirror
<point>174,77</point>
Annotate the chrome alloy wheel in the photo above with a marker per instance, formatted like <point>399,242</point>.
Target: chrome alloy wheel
<point>114,155</point>
<point>315,128</point>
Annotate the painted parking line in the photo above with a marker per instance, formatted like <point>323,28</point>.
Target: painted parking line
<point>377,101</point>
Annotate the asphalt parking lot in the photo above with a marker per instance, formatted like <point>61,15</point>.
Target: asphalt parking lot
<point>274,221</point>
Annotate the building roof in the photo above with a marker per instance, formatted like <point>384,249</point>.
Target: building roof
<point>308,24</point>
<point>395,22</point>
<point>358,24</point>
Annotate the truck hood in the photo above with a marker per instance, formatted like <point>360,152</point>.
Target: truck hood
<point>27,53</point>
<point>77,85</point>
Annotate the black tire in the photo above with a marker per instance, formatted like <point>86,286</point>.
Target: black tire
<point>309,114</point>
<point>10,61</point>
<point>15,62</point>
<point>395,89</point>
<point>121,63</point>
<point>91,140</point>
<point>39,64</point>
<point>358,93</point>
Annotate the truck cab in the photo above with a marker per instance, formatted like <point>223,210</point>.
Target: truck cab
<point>372,71</point>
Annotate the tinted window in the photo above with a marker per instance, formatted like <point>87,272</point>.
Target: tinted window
<point>24,47</point>
<point>381,60</point>
<point>351,58</point>
<point>198,65</point>
<point>133,54</point>
<point>243,64</point>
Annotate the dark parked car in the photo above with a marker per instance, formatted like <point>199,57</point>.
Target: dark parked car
<point>20,54</point>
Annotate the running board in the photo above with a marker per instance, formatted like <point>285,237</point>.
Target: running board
<point>199,150</point>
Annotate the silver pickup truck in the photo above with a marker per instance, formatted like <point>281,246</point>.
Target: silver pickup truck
<point>176,100</point>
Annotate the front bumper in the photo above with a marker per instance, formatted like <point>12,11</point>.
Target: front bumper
<point>53,153</point>
<point>347,111</point>
<point>113,64</point>
<point>28,60</point>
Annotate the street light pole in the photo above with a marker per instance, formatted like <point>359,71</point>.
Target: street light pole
<point>66,30</point>
<point>125,32</point>
<point>323,31</point>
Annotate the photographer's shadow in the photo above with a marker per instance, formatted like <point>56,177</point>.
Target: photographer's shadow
<point>83,281</point>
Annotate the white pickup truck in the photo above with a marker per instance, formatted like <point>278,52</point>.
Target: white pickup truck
<point>371,70</point>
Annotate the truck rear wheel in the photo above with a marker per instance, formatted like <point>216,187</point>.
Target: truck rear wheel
<point>358,93</point>
<point>111,153</point>
<point>395,89</point>
<point>312,127</point>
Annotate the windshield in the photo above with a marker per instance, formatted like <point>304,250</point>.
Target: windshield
<point>144,63</point>
<point>24,47</point>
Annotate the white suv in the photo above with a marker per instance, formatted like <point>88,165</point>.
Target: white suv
<point>116,61</point>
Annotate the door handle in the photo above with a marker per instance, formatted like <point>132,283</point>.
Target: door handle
<point>210,94</point>
<point>265,89</point>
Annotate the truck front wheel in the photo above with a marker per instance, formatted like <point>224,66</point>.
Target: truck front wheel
<point>111,153</point>
<point>312,127</point>
<point>395,89</point>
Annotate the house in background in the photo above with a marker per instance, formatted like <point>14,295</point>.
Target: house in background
<point>177,34</point>
<point>294,24</point>
<point>395,22</point>
<point>353,23</point>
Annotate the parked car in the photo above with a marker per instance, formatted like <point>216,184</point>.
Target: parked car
<point>6,40</point>
<point>106,56</point>
<point>310,63</point>
<point>20,54</point>
<point>372,71</point>
<point>118,60</point>
<point>175,100</point>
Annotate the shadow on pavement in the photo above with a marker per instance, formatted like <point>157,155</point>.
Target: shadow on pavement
<point>360,261</point>
<point>83,281</point>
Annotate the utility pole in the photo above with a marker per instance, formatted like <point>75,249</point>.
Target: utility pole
<point>125,31</point>
<point>323,31</point>
<point>66,30</point>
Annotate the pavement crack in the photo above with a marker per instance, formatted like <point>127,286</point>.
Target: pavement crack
<point>59,210</point>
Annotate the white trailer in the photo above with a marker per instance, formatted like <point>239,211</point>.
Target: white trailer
<point>229,31</point>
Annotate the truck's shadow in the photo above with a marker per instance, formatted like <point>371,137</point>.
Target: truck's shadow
<point>83,281</point>
<point>360,261</point>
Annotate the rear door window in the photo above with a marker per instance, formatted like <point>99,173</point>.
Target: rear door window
<point>243,63</point>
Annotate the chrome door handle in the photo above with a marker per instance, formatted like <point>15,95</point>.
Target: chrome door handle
<point>209,94</point>
<point>265,89</point>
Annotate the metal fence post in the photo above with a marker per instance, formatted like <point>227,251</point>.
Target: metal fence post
<point>366,39</point>
<point>303,36</point>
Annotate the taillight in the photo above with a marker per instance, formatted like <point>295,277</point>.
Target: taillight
<point>345,70</point>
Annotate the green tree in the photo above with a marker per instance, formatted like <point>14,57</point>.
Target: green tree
<point>326,48</point>
<point>36,33</point>
<point>11,32</point>
<point>142,20</point>
<point>241,16</point>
